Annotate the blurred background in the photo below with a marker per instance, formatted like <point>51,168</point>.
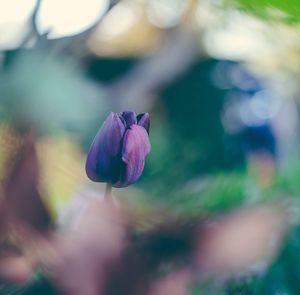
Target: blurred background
<point>217,208</point>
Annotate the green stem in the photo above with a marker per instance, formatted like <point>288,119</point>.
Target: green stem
<point>108,189</point>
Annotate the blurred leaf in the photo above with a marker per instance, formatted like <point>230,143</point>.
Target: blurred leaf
<point>49,92</point>
<point>22,200</point>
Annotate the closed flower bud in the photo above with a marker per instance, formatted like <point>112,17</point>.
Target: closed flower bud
<point>118,152</point>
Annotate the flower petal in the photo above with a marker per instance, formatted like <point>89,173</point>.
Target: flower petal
<point>129,117</point>
<point>144,120</point>
<point>136,147</point>
<point>104,157</point>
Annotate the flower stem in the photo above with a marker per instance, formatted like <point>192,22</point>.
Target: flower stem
<point>108,189</point>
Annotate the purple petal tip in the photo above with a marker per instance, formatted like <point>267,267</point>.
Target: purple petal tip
<point>144,121</point>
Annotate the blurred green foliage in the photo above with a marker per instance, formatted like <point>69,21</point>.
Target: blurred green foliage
<point>278,10</point>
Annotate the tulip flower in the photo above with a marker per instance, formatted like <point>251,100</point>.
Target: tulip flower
<point>118,152</point>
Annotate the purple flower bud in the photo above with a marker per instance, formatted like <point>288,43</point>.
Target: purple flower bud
<point>118,152</point>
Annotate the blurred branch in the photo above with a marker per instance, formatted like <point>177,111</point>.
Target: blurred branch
<point>176,54</point>
<point>74,43</point>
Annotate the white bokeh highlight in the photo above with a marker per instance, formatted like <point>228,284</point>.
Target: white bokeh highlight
<point>14,22</point>
<point>63,18</point>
